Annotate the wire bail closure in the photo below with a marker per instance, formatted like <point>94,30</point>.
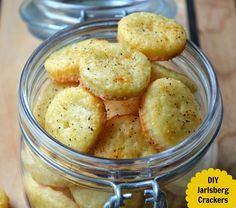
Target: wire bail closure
<point>152,193</point>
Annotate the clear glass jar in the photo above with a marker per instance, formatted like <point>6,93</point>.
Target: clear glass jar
<point>51,170</point>
<point>45,17</point>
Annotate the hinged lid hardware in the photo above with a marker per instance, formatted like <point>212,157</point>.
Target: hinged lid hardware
<point>152,192</point>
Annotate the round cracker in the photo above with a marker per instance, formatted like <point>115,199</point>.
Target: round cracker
<point>89,198</point>
<point>63,65</point>
<point>122,107</point>
<point>158,37</point>
<point>4,200</point>
<point>40,172</point>
<point>42,196</point>
<point>47,93</point>
<point>75,118</point>
<point>122,138</point>
<point>159,71</point>
<point>112,71</point>
<point>169,113</point>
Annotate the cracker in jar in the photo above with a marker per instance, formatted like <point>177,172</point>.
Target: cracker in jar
<point>122,107</point>
<point>156,36</point>
<point>42,196</point>
<point>112,71</point>
<point>90,198</point>
<point>63,65</point>
<point>159,71</point>
<point>122,138</point>
<point>46,95</point>
<point>40,172</point>
<point>4,200</point>
<point>169,113</point>
<point>75,118</point>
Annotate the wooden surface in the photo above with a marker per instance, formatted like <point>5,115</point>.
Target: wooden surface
<point>217,27</point>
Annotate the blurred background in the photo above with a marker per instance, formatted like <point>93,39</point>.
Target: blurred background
<point>211,24</point>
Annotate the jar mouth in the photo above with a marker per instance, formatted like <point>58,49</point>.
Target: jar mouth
<point>190,145</point>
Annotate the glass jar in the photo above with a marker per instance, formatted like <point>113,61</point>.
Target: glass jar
<point>52,170</point>
<point>45,17</point>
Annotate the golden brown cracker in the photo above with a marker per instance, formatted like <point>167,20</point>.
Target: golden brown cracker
<point>40,172</point>
<point>112,71</point>
<point>169,113</point>
<point>75,118</point>
<point>122,138</point>
<point>156,36</point>
<point>63,65</point>
<point>159,71</point>
<point>42,196</point>
<point>45,97</point>
<point>4,200</point>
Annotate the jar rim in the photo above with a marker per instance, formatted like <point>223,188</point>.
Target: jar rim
<point>179,150</point>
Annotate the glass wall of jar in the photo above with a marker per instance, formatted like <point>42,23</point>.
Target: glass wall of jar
<point>58,176</point>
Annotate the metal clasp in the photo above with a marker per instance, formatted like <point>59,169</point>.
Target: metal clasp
<point>152,192</point>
